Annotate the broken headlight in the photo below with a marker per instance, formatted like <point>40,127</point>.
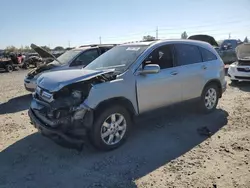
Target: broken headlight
<point>77,94</point>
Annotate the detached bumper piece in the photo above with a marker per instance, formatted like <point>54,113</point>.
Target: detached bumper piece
<point>62,131</point>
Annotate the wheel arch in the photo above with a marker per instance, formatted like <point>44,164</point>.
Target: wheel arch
<point>122,101</point>
<point>217,83</point>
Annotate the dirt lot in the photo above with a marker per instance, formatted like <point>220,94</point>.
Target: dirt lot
<point>164,151</point>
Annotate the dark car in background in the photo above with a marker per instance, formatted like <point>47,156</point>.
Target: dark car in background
<point>76,58</point>
<point>32,59</point>
<point>227,50</point>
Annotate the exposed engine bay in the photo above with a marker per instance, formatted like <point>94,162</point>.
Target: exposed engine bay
<point>245,62</point>
<point>39,69</point>
<point>65,110</point>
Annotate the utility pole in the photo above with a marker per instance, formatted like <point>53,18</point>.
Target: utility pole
<point>69,43</point>
<point>100,39</point>
<point>229,36</point>
<point>156,34</point>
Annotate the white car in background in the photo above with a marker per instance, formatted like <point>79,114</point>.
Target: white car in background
<point>240,70</point>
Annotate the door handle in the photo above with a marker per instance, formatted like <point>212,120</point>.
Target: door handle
<point>174,73</point>
<point>204,66</point>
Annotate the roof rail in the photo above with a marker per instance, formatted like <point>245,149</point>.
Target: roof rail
<point>93,45</point>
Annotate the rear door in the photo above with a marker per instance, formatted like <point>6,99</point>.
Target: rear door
<point>191,68</point>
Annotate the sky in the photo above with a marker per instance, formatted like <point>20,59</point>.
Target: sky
<point>78,22</point>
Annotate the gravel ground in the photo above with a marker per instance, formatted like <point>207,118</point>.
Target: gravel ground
<point>162,151</point>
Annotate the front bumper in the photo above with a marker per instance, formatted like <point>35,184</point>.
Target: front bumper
<point>235,74</point>
<point>65,133</point>
<point>30,84</point>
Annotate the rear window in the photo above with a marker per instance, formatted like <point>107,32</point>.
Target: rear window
<point>207,55</point>
<point>187,54</point>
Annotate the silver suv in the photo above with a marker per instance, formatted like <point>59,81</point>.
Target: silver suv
<point>101,100</point>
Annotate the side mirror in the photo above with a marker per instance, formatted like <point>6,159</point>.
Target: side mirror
<point>150,69</point>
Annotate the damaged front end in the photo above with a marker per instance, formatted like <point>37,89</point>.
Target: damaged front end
<point>62,115</point>
<point>39,70</point>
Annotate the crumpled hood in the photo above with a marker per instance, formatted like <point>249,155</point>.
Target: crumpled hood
<point>54,81</point>
<point>204,38</point>
<point>243,51</point>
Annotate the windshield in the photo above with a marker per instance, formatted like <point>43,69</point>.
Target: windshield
<point>118,58</point>
<point>66,57</point>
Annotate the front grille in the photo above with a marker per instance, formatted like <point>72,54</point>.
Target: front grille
<point>244,69</point>
<point>242,77</point>
<point>44,95</point>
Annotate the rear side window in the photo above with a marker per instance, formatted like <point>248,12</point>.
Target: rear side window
<point>187,54</point>
<point>104,49</point>
<point>86,57</point>
<point>207,55</point>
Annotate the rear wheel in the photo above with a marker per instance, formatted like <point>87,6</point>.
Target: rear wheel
<point>209,98</point>
<point>111,127</point>
<point>9,68</point>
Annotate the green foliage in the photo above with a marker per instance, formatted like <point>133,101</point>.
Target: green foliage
<point>246,40</point>
<point>184,35</point>
<point>148,38</point>
<point>58,48</point>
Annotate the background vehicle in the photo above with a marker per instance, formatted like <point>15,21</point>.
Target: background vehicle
<point>100,100</point>
<point>240,70</point>
<point>227,50</point>
<point>205,38</point>
<point>8,64</point>
<point>72,59</point>
<point>32,59</point>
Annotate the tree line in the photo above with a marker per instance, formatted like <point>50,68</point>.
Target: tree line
<point>27,49</point>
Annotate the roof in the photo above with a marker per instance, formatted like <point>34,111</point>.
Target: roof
<point>187,41</point>
<point>141,43</point>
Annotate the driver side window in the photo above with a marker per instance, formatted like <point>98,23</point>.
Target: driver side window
<point>162,56</point>
<point>86,57</point>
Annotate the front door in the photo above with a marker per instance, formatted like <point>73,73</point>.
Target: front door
<point>159,89</point>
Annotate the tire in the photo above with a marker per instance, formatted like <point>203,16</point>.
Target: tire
<point>98,127</point>
<point>9,68</point>
<point>26,66</point>
<point>204,104</point>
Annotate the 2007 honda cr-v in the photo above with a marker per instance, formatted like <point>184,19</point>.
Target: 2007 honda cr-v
<point>101,100</point>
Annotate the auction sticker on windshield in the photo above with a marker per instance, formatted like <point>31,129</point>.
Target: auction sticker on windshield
<point>133,48</point>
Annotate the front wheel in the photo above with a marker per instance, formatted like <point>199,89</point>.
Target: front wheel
<point>111,127</point>
<point>209,98</point>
